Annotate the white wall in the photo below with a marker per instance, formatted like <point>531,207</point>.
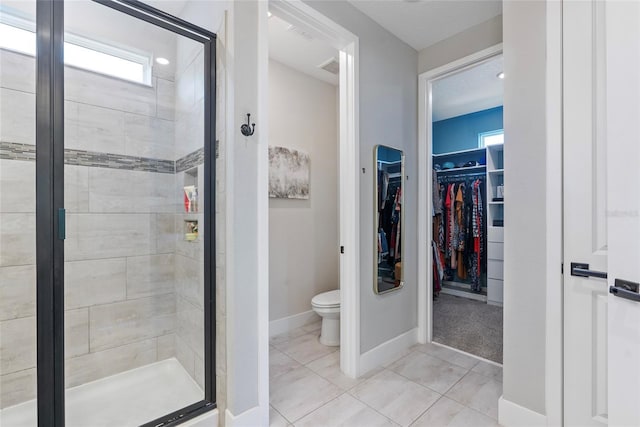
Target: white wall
<point>303,234</point>
<point>388,116</point>
<point>532,217</point>
<point>247,209</point>
<point>475,39</point>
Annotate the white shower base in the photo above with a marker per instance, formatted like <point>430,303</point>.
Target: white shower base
<point>130,398</point>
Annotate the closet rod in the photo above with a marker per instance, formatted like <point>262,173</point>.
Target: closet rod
<point>461,175</point>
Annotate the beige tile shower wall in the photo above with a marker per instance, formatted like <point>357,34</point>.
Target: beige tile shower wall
<point>101,113</point>
<point>189,255</point>
<point>120,300</point>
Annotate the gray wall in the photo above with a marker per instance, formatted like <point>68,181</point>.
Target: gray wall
<point>525,237</point>
<point>303,234</point>
<point>473,40</point>
<point>388,114</point>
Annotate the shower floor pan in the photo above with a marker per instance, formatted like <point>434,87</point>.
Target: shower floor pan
<point>130,398</point>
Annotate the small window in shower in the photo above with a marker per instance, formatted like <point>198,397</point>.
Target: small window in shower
<point>19,36</point>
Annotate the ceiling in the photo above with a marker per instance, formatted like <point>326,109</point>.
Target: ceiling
<point>299,50</point>
<point>422,23</point>
<point>468,91</point>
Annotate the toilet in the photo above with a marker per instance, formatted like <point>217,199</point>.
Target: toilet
<point>327,306</point>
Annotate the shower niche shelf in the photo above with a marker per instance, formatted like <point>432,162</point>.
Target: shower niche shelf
<point>190,193</point>
<point>190,230</point>
<point>191,204</point>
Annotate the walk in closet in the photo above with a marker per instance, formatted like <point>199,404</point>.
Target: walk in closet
<point>467,213</point>
<point>468,220</point>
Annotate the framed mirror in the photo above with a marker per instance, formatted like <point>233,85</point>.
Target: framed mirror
<point>389,219</point>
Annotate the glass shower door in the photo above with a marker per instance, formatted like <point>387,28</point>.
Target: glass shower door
<point>135,187</point>
<point>17,213</point>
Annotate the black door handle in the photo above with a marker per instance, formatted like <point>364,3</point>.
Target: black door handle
<point>582,270</point>
<point>625,289</point>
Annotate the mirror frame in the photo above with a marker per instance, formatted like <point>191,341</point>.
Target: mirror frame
<point>376,213</point>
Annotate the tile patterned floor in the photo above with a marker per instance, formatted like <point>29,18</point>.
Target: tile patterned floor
<point>429,385</point>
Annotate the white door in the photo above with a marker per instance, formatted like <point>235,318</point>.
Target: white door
<point>623,133</point>
<point>601,203</point>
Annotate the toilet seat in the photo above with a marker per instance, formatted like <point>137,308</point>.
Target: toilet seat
<point>329,299</point>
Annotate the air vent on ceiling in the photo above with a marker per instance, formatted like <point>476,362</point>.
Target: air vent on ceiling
<point>302,33</point>
<point>332,66</point>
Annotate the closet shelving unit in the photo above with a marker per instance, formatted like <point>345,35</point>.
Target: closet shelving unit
<point>495,225</point>
<point>458,288</point>
<point>492,290</point>
<point>459,156</point>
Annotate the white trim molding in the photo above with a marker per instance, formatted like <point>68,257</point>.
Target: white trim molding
<point>425,144</point>
<point>249,418</point>
<point>262,235</point>
<point>513,415</point>
<point>300,14</point>
<point>289,323</point>
<point>554,370</point>
<point>349,211</point>
<point>388,351</point>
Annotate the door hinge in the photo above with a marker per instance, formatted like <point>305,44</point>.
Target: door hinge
<point>62,224</point>
<point>562,268</point>
<point>341,249</point>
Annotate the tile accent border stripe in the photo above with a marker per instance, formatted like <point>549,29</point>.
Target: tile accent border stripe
<point>190,160</point>
<point>27,152</point>
<point>117,161</point>
<point>15,151</point>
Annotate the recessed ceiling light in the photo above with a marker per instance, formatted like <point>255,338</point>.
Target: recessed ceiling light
<point>162,61</point>
<point>500,75</point>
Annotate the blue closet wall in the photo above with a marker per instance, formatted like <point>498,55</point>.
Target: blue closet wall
<point>461,133</point>
<point>389,154</point>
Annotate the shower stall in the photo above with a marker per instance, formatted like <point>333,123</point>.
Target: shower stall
<point>107,215</point>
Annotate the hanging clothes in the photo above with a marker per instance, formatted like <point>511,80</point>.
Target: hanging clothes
<point>475,266</point>
<point>437,200</point>
<point>383,187</point>
<point>438,269</point>
<point>459,230</point>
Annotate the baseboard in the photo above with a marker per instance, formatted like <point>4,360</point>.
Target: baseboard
<point>490,362</point>
<point>514,415</point>
<point>387,351</point>
<point>286,324</point>
<point>463,294</point>
<point>250,418</point>
<point>210,419</point>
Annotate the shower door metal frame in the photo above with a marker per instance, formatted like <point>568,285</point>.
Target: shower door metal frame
<point>50,219</point>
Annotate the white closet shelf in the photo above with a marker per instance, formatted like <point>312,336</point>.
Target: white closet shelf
<point>496,203</point>
<point>481,167</point>
<point>462,152</point>
<point>497,171</point>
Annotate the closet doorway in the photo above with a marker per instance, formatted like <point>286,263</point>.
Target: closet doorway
<point>462,207</point>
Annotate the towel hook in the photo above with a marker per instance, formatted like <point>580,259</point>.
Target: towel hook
<point>246,129</point>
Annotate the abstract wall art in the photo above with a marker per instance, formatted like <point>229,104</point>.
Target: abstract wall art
<point>288,173</point>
